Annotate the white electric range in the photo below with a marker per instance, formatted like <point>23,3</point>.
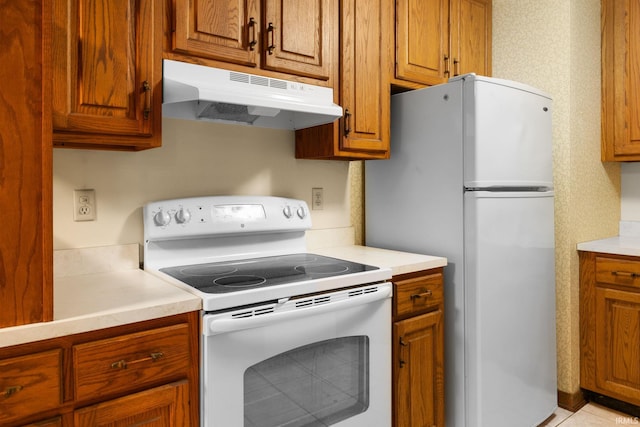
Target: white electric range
<point>274,313</point>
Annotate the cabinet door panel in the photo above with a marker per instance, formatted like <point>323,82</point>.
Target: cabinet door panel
<point>365,97</point>
<point>470,37</point>
<point>418,371</point>
<point>218,29</point>
<point>299,41</point>
<point>165,406</point>
<point>30,384</point>
<point>620,80</point>
<point>422,40</point>
<point>618,343</point>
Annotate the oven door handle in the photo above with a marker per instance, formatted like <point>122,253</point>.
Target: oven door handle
<point>215,326</point>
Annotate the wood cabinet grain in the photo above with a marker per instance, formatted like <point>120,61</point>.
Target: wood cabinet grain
<point>418,349</point>
<point>26,235</point>
<point>143,373</point>
<point>30,384</point>
<point>439,39</point>
<point>610,325</point>
<point>364,130</point>
<point>620,80</point>
<point>107,80</point>
<point>288,37</point>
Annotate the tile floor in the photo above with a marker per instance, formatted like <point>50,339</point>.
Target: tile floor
<point>591,415</point>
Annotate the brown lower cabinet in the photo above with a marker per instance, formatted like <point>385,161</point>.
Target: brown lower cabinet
<point>610,325</point>
<point>418,349</point>
<point>140,374</point>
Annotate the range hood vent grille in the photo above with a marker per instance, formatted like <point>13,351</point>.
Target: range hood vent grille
<point>204,93</point>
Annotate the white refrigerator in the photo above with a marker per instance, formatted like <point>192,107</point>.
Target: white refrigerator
<point>470,178</point>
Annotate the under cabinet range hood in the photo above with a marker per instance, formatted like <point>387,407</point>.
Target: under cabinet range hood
<point>198,92</point>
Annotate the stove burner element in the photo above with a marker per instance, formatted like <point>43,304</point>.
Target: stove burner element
<point>245,274</point>
<point>206,270</point>
<point>240,281</point>
<point>321,269</point>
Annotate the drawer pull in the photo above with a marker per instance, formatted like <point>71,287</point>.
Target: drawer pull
<point>123,364</point>
<point>426,294</point>
<point>625,274</point>
<point>10,391</point>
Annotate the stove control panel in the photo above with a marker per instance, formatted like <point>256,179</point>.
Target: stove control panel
<point>221,215</point>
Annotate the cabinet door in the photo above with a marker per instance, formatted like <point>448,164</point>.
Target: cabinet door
<point>364,77</point>
<point>620,80</point>
<point>107,73</point>
<point>226,30</point>
<point>297,36</point>
<point>30,384</point>
<point>618,343</point>
<point>165,406</point>
<point>418,374</point>
<point>470,23</point>
<point>422,41</point>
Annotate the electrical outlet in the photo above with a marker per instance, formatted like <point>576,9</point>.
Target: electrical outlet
<point>317,199</point>
<point>84,205</point>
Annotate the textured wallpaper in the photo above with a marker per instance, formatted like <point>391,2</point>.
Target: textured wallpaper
<point>555,46</point>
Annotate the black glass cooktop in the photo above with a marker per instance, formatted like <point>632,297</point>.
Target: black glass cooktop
<point>230,276</point>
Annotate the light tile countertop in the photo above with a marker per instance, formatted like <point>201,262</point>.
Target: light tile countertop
<point>96,288</point>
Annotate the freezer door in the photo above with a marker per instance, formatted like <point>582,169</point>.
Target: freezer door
<point>507,135</point>
<point>510,308</point>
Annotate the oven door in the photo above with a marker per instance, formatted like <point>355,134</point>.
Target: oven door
<point>323,360</point>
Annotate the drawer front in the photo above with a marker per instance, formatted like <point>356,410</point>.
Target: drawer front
<point>618,272</point>
<point>417,295</point>
<point>130,361</point>
<point>30,384</point>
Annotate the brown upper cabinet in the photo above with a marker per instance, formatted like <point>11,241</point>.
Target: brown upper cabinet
<point>107,78</point>
<point>365,68</point>
<point>289,36</point>
<point>438,39</point>
<point>620,80</point>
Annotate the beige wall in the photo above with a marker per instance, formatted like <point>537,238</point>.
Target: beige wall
<point>196,158</point>
<point>555,45</point>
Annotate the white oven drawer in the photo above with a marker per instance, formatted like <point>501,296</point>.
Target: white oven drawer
<point>324,358</point>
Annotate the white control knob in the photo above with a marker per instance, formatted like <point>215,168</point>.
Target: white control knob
<point>301,212</point>
<point>162,218</point>
<point>287,211</point>
<point>183,216</point>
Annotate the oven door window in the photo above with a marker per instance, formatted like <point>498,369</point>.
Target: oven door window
<point>319,384</point>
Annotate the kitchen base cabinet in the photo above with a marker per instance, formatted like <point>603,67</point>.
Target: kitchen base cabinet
<point>610,325</point>
<point>139,374</point>
<point>418,349</point>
